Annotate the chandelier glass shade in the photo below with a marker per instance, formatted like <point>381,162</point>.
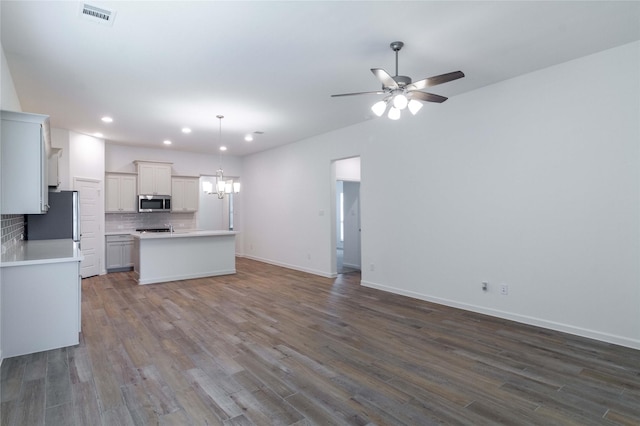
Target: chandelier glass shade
<point>222,186</point>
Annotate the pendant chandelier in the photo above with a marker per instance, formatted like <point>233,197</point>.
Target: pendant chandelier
<point>223,186</point>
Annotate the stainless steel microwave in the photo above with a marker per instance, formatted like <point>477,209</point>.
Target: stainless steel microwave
<point>154,203</point>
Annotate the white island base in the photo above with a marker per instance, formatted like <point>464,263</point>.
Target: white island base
<point>163,257</point>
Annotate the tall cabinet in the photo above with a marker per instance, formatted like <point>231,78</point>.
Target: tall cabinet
<point>26,146</point>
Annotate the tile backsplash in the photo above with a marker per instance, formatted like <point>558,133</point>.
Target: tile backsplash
<point>115,222</point>
<point>13,224</point>
<point>12,229</point>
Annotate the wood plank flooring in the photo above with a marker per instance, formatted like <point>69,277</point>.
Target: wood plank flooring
<point>272,346</point>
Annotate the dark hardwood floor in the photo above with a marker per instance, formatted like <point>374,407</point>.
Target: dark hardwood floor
<point>272,346</point>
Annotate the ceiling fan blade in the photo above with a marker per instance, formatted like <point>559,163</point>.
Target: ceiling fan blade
<point>435,80</point>
<point>378,92</point>
<point>428,97</point>
<point>384,77</point>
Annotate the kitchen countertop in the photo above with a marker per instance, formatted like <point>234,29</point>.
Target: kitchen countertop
<point>35,252</point>
<point>180,234</point>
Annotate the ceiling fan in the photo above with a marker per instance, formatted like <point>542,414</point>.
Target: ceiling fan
<point>400,92</point>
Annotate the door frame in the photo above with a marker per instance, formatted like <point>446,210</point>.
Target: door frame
<point>100,220</point>
<point>333,263</point>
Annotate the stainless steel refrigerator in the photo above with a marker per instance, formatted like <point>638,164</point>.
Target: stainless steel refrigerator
<point>62,221</point>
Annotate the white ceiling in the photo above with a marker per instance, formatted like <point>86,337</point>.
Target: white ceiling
<point>272,66</point>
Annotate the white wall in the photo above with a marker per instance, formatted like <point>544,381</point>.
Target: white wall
<point>288,208</point>
<point>86,156</point>
<point>119,158</point>
<point>533,182</point>
<point>86,160</point>
<point>8,95</point>
<point>348,169</point>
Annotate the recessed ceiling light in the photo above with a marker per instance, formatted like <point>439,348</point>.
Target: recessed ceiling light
<point>186,130</point>
<point>223,148</point>
<point>167,142</point>
<point>107,119</point>
<point>248,138</point>
<point>98,135</point>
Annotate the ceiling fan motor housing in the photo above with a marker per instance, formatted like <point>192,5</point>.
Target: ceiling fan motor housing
<point>402,80</point>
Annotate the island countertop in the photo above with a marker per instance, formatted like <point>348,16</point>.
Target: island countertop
<point>180,234</point>
<point>33,252</point>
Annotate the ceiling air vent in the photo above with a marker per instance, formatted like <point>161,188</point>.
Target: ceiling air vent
<point>97,14</point>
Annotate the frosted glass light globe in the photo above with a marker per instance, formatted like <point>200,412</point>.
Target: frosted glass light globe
<point>400,101</point>
<point>394,113</point>
<point>414,106</point>
<point>379,107</point>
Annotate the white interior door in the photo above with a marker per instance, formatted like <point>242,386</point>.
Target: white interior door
<point>90,232</point>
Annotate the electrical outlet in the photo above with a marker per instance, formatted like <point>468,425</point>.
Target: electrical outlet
<point>504,289</point>
<point>485,286</point>
<point>372,267</point>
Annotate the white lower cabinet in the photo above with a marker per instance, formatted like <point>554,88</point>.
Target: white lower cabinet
<point>119,252</point>
<point>40,307</point>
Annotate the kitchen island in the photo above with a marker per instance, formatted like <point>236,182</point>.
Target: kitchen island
<point>181,255</point>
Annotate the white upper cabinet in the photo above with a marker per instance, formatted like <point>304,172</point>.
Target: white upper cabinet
<point>25,145</point>
<point>120,193</point>
<point>184,194</point>
<point>54,165</point>
<point>154,178</point>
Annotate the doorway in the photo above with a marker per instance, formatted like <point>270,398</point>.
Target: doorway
<point>90,233</point>
<point>347,216</point>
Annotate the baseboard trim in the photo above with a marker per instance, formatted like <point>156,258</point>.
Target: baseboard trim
<point>157,280</point>
<point>524,319</point>
<point>294,267</point>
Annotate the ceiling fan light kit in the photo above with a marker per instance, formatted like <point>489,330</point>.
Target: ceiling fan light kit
<point>401,92</point>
